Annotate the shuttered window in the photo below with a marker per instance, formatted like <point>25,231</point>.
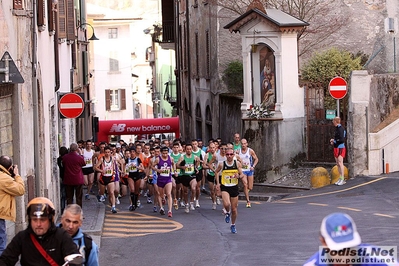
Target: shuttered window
<point>61,9</point>
<point>17,4</point>
<point>107,100</point>
<point>123,99</point>
<point>115,99</point>
<point>70,20</point>
<point>196,55</point>
<point>41,13</point>
<point>51,7</point>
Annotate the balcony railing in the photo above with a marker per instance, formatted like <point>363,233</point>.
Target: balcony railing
<point>164,33</point>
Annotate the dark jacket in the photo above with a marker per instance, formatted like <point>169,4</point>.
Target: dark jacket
<point>73,164</point>
<point>339,136</point>
<point>56,242</point>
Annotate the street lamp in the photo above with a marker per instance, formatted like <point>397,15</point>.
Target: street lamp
<point>93,36</point>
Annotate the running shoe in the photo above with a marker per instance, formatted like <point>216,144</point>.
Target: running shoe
<point>214,206</point>
<point>182,204</point>
<point>248,204</point>
<point>187,209</point>
<point>138,204</point>
<point>162,211</point>
<point>132,208</point>
<point>113,210</point>
<point>224,211</point>
<point>169,214</point>
<point>117,201</point>
<point>217,201</point>
<point>192,208</point>
<point>102,198</point>
<point>227,218</point>
<point>341,182</point>
<point>154,209</point>
<point>203,189</point>
<point>233,229</point>
<point>87,197</point>
<point>175,205</point>
<point>149,201</point>
<point>197,205</point>
<point>119,195</point>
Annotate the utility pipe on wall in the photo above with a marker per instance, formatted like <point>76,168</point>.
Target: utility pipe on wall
<point>35,102</point>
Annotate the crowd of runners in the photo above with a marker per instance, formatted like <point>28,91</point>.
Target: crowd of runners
<point>171,175</point>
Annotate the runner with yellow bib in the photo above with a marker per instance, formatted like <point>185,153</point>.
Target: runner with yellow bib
<point>231,171</point>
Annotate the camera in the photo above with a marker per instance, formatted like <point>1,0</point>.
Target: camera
<point>12,171</point>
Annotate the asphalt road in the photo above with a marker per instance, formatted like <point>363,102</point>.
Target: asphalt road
<point>283,232</point>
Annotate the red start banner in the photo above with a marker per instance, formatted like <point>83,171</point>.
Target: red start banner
<point>137,127</point>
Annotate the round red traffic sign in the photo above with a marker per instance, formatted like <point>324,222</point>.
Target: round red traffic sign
<point>71,105</point>
<point>338,88</point>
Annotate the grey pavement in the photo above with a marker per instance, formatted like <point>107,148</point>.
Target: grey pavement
<point>94,211</point>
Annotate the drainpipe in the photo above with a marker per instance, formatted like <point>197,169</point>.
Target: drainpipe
<point>35,100</point>
<point>178,65</point>
<point>189,69</point>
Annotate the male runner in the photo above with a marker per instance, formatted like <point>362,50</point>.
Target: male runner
<point>230,171</point>
<point>106,166</point>
<point>200,154</point>
<point>249,160</point>
<point>132,166</point>
<point>88,170</point>
<point>164,166</point>
<point>210,166</point>
<point>188,163</point>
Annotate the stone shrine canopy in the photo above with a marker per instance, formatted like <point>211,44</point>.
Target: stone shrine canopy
<point>274,17</point>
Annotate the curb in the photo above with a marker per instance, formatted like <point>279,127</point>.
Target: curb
<point>97,212</point>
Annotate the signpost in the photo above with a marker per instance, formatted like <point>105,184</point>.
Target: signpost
<point>338,89</point>
<point>71,105</point>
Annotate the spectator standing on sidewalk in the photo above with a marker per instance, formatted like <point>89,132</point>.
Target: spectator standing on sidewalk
<point>11,186</point>
<point>71,221</point>
<point>339,148</point>
<point>63,151</point>
<point>73,174</point>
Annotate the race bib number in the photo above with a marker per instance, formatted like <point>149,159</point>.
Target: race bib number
<point>108,171</point>
<point>165,172</point>
<point>88,161</point>
<point>246,166</point>
<point>189,169</point>
<point>230,178</point>
<point>132,167</point>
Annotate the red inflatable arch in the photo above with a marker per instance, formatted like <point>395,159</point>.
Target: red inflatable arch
<point>137,127</point>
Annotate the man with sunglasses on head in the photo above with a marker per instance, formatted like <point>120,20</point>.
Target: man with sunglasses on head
<point>230,172</point>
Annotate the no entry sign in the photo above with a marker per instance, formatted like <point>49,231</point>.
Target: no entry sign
<point>71,105</point>
<point>338,88</point>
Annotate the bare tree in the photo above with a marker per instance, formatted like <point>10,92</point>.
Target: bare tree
<point>323,16</point>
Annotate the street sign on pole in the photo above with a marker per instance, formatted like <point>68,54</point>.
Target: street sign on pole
<point>71,105</point>
<point>338,88</point>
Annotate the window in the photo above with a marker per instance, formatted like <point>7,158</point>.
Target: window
<point>112,33</point>
<point>115,99</point>
<point>208,56</point>
<point>196,55</point>
<point>113,62</point>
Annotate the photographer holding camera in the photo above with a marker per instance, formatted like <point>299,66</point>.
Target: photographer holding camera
<point>11,185</point>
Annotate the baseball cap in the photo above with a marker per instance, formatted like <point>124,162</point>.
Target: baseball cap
<point>339,231</point>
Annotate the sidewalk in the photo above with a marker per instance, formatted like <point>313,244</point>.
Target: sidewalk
<point>93,213</point>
